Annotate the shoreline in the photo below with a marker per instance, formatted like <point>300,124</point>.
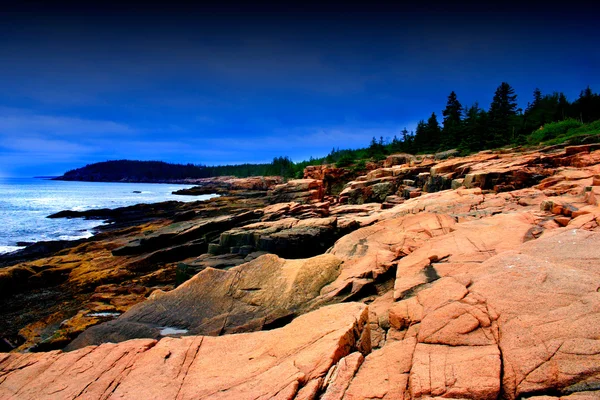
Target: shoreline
<point>108,219</point>
<point>423,243</point>
<point>102,219</point>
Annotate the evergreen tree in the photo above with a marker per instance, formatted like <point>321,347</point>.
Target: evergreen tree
<point>475,129</point>
<point>281,166</point>
<point>502,116</point>
<point>562,108</point>
<point>404,135</point>
<point>543,110</point>
<point>532,118</point>
<point>587,107</point>
<point>408,141</point>
<point>376,149</point>
<point>434,134</point>
<point>451,131</point>
<point>420,138</point>
<point>396,145</point>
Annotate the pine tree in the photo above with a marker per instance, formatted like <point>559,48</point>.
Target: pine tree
<point>404,134</point>
<point>396,145</point>
<point>420,138</point>
<point>502,116</point>
<point>587,107</point>
<point>562,108</point>
<point>532,118</point>
<point>451,131</point>
<point>376,149</point>
<point>434,134</point>
<point>475,129</point>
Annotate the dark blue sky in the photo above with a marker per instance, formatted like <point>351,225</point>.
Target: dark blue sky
<point>232,84</point>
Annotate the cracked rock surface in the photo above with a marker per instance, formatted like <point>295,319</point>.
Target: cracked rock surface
<point>274,364</point>
<point>490,290</point>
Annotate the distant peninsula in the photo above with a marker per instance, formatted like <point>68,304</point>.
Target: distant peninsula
<point>162,172</point>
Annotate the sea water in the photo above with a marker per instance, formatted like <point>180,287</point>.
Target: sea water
<point>26,202</point>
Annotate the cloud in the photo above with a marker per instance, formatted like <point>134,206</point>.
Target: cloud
<point>23,123</point>
<point>39,145</point>
<point>41,141</point>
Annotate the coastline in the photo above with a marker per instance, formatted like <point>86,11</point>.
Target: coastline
<point>424,243</point>
<point>30,205</point>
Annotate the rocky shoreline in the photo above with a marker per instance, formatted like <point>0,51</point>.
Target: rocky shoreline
<point>427,277</point>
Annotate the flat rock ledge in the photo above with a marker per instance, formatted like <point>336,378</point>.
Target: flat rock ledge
<point>293,362</point>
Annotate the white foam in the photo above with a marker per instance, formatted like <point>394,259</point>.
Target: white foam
<point>84,235</point>
<point>10,249</point>
<point>167,330</point>
<point>104,314</point>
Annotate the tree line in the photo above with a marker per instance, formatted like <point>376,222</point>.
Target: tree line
<point>474,128</point>
<point>160,171</point>
<point>548,117</point>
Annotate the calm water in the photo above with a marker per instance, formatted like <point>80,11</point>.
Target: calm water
<point>25,203</point>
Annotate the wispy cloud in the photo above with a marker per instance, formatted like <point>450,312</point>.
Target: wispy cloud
<point>23,123</point>
<point>42,140</point>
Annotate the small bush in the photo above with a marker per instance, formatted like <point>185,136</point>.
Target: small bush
<point>360,166</point>
<point>553,130</point>
<point>344,161</point>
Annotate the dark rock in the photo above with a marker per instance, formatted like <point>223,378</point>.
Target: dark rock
<point>182,232</point>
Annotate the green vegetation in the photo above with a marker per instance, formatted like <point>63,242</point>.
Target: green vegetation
<point>549,119</point>
<point>559,132</point>
<point>159,171</point>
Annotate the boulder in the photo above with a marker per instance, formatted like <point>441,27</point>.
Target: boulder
<point>333,178</point>
<point>182,232</point>
<point>368,253</point>
<point>229,184</point>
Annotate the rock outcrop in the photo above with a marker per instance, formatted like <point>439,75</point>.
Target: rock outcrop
<point>288,237</point>
<point>266,292</point>
<point>408,176</point>
<point>482,283</point>
<point>293,362</point>
<point>333,178</point>
<point>229,185</point>
<point>299,191</point>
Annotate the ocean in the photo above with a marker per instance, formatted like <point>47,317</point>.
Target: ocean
<point>26,202</point>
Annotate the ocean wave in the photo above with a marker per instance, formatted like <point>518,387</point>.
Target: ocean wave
<point>83,235</point>
<point>10,249</point>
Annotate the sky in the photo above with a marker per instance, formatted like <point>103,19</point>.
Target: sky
<point>228,83</point>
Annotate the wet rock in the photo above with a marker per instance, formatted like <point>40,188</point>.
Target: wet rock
<point>182,232</point>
